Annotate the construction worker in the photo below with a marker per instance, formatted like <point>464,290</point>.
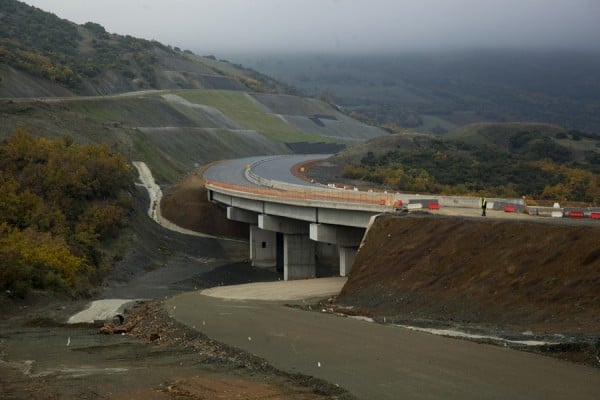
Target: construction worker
<point>483,206</point>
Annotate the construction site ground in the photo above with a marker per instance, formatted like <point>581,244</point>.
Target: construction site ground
<point>495,276</point>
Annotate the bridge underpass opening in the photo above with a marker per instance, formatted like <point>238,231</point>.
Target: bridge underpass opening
<point>286,244</point>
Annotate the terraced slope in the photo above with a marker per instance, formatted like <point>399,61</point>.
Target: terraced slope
<point>175,130</point>
<point>316,116</point>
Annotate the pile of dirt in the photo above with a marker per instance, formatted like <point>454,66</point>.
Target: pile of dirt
<point>514,276</point>
<point>186,204</point>
<point>497,271</point>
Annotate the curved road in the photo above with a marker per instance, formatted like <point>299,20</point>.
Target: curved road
<point>269,167</point>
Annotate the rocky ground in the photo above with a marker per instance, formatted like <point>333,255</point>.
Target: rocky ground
<point>149,356</point>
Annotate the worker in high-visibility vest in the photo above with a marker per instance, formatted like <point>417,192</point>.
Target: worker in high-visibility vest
<point>483,206</point>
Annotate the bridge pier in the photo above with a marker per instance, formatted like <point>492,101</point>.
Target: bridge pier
<point>299,242</point>
<point>347,257</point>
<point>299,260</point>
<point>263,243</point>
<point>346,238</point>
<point>263,247</point>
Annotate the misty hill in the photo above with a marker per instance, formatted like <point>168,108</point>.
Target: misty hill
<point>165,106</point>
<point>43,55</point>
<point>539,161</point>
<point>438,92</point>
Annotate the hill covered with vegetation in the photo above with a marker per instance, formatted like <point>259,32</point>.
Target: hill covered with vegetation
<point>44,55</point>
<point>93,102</point>
<point>148,101</point>
<point>505,160</point>
<point>59,203</point>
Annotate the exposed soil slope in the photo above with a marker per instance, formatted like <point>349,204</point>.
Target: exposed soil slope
<point>187,205</point>
<point>516,275</point>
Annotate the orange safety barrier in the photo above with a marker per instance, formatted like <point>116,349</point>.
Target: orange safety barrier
<point>595,215</point>
<point>576,214</point>
<point>509,209</point>
<point>382,202</point>
<point>433,206</point>
<point>398,203</point>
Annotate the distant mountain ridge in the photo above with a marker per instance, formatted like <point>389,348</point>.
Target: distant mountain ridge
<point>441,91</point>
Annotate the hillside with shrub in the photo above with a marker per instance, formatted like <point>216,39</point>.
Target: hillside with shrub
<point>59,204</point>
<point>43,55</point>
<point>77,104</point>
<point>497,160</point>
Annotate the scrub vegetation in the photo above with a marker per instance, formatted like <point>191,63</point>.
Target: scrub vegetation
<point>86,59</point>
<point>536,161</point>
<point>60,202</point>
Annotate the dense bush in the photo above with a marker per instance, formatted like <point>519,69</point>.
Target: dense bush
<point>58,202</point>
<point>533,165</point>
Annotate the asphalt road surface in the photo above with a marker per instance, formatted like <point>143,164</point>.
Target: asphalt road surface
<point>269,167</point>
<point>375,361</point>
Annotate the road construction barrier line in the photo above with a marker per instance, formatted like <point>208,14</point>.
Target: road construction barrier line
<point>576,214</point>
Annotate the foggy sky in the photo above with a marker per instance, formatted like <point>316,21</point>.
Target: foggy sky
<point>342,26</point>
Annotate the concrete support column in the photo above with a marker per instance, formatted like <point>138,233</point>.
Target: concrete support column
<point>298,257</point>
<point>347,239</point>
<point>263,247</point>
<point>347,257</point>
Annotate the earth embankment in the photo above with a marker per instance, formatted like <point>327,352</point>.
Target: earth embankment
<point>186,205</point>
<point>521,276</point>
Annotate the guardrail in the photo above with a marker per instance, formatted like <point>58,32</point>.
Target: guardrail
<point>565,212</point>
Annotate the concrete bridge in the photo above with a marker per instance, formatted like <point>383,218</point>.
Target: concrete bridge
<point>290,219</point>
<point>293,222</point>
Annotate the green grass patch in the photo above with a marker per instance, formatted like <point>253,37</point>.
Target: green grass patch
<point>243,110</point>
<point>164,169</point>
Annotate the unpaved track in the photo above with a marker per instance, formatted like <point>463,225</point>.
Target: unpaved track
<point>155,193</point>
<point>376,361</point>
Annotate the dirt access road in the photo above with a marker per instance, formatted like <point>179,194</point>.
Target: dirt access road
<point>375,361</point>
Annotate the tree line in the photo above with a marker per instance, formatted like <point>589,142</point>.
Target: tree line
<point>533,165</point>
